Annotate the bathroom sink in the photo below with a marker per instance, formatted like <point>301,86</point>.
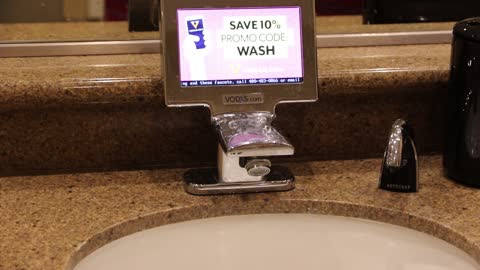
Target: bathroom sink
<point>279,242</point>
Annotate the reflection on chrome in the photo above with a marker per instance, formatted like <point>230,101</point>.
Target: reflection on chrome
<point>395,145</point>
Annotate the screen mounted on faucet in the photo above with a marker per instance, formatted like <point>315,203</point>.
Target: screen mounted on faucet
<point>241,46</point>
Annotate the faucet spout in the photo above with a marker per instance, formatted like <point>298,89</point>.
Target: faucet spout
<point>246,141</point>
<point>250,134</point>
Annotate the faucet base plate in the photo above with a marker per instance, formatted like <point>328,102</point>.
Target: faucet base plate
<point>204,181</point>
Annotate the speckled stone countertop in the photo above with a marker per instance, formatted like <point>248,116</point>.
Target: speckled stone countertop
<point>74,31</point>
<point>52,222</point>
<point>90,113</point>
<point>43,81</point>
<point>77,112</point>
<point>70,31</point>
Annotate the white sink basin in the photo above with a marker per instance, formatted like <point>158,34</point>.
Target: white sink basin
<point>279,242</point>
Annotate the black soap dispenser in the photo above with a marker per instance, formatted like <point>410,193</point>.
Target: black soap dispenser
<point>399,171</point>
<point>462,151</point>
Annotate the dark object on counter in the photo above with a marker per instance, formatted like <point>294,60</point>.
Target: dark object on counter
<point>143,15</point>
<point>409,11</point>
<point>399,171</point>
<point>462,152</point>
<point>338,7</point>
<point>116,10</point>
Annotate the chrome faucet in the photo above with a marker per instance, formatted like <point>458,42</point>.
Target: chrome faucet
<point>245,139</point>
<point>394,151</point>
<point>246,143</point>
<point>240,93</point>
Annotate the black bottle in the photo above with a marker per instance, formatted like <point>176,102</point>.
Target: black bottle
<point>462,152</point>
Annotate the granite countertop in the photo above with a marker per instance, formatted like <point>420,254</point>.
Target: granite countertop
<point>119,79</point>
<point>84,113</point>
<point>74,31</point>
<point>70,31</point>
<point>51,222</point>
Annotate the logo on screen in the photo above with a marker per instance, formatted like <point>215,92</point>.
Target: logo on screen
<point>195,28</point>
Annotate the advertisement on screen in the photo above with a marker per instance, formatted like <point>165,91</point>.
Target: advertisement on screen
<point>240,46</point>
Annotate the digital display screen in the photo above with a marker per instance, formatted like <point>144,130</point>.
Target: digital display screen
<point>240,46</point>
